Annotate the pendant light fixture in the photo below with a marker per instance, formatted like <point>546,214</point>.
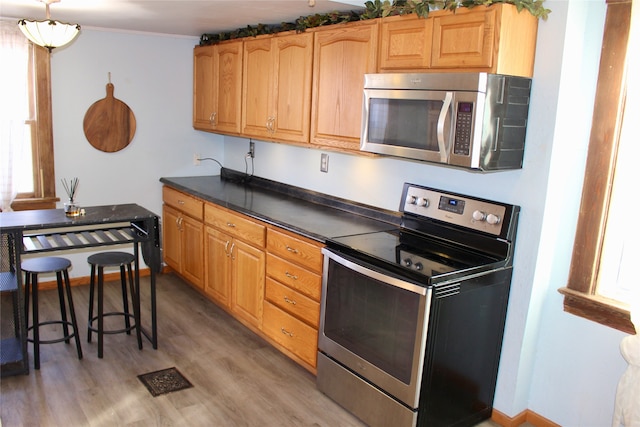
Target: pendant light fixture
<point>49,33</point>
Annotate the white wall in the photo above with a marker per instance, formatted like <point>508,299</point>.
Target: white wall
<point>560,366</point>
<point>152,74</point>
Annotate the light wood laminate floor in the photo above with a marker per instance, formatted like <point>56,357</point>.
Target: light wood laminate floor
<point>238,379</point>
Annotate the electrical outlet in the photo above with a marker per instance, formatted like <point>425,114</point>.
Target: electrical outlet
<point>196,159</point>
<point>252,149</point>
<point>324,162</point>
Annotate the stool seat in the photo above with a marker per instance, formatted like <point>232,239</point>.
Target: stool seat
<point>45,265</point>
<point>60,266</point>
<point>111,259</point>
<point>99,262</point>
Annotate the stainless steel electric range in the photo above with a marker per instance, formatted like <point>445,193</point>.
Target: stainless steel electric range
<point>412,318</point>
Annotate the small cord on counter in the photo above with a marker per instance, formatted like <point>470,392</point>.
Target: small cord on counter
<point>211,158</point>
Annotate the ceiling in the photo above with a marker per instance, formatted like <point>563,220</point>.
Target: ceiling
<point>177,17</point>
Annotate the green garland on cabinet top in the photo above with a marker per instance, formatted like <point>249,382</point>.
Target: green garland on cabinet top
<point>372,9</point>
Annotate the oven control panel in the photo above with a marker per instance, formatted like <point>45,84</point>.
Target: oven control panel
<point>473,213</point>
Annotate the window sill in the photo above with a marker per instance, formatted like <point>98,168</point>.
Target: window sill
<point>35,203</point>
<point>598,309</point>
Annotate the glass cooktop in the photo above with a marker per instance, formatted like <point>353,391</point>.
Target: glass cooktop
<point>411,252</point>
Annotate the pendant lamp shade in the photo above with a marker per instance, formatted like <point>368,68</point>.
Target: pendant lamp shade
<point>49,33</point>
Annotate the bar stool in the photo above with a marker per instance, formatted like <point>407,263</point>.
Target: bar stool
<point>113,259</point>
<point>33,267</point>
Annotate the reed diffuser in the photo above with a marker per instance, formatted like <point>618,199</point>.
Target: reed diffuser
<point>71,208</point>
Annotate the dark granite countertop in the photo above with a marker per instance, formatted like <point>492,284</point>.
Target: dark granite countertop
<point>314,215</point>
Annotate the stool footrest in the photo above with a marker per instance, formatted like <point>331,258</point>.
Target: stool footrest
<point>113,331</point>
<point>65,338</point>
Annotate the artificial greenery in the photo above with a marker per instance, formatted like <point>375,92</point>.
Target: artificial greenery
<point>372,9</point>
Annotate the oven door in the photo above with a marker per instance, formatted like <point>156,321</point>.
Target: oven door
<point>374,324</point>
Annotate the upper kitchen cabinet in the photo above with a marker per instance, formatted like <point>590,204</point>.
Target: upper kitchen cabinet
<point>217,86</point>
<point>405,43</point>
<point>342,55</point>
<point>276,96</point>
<point>495,39</point>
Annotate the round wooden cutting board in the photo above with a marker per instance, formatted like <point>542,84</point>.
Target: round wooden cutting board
<point>109,124</point>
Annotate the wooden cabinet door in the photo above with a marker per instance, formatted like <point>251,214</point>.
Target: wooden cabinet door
<point>203,87</point>
<point>405,43</point>
<point>342,56</point>
<point>192,251</point>
<point>218,266</point>
<point>228,87</point>
<point>292,72</point>
<point>276,101</point>
<point>464,40</point>
<point>171,241</point>
<point>248,277</point>
<point>257,82</point>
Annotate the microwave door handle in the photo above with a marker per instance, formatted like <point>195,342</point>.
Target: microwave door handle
<point>444,150</point>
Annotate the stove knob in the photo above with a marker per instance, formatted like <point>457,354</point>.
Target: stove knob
<point>419,266</point>
<point>411,200</point>
<point>423,201</point>
<point>407,262</point>
<point>479,215</point>
<point>493,219</point>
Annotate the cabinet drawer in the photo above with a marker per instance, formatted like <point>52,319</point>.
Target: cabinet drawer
<point>187,204</point>
<point>295,249</point>
<point>291,333</point>
<point>294,276</point>
<point>294,303</point>
<point>235,224</point>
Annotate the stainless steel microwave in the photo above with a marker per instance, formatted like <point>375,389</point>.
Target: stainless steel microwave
<point>470,120</point>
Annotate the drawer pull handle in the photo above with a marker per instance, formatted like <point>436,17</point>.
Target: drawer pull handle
<point>284,331</point>
<point>290,276</point>
<point>230,224</point>
<point>181,202</point>
<point>292,250</point>
<point>289,301</point>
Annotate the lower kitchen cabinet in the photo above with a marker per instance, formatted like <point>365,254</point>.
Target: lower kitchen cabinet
<point>267,278</point>
<point>292,294</point>
<point>182,232</point>
<point>235,260</point>
<point>294,335</point>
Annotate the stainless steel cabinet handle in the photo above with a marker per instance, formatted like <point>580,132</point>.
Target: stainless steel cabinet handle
<point>284,331</point>
<point>289,301</point>
<point>290,276</point>
<point>181,202</point>
<point>230,224</point>
<point>292,250</point>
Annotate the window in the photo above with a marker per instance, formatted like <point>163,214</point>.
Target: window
<point>599,285</point>
<point>34,182</point>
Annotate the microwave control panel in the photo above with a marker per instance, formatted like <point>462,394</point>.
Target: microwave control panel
<point>464,121</point>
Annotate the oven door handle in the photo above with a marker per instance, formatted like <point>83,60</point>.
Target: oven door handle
<point>442,144</point>
<point>360,267</point>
